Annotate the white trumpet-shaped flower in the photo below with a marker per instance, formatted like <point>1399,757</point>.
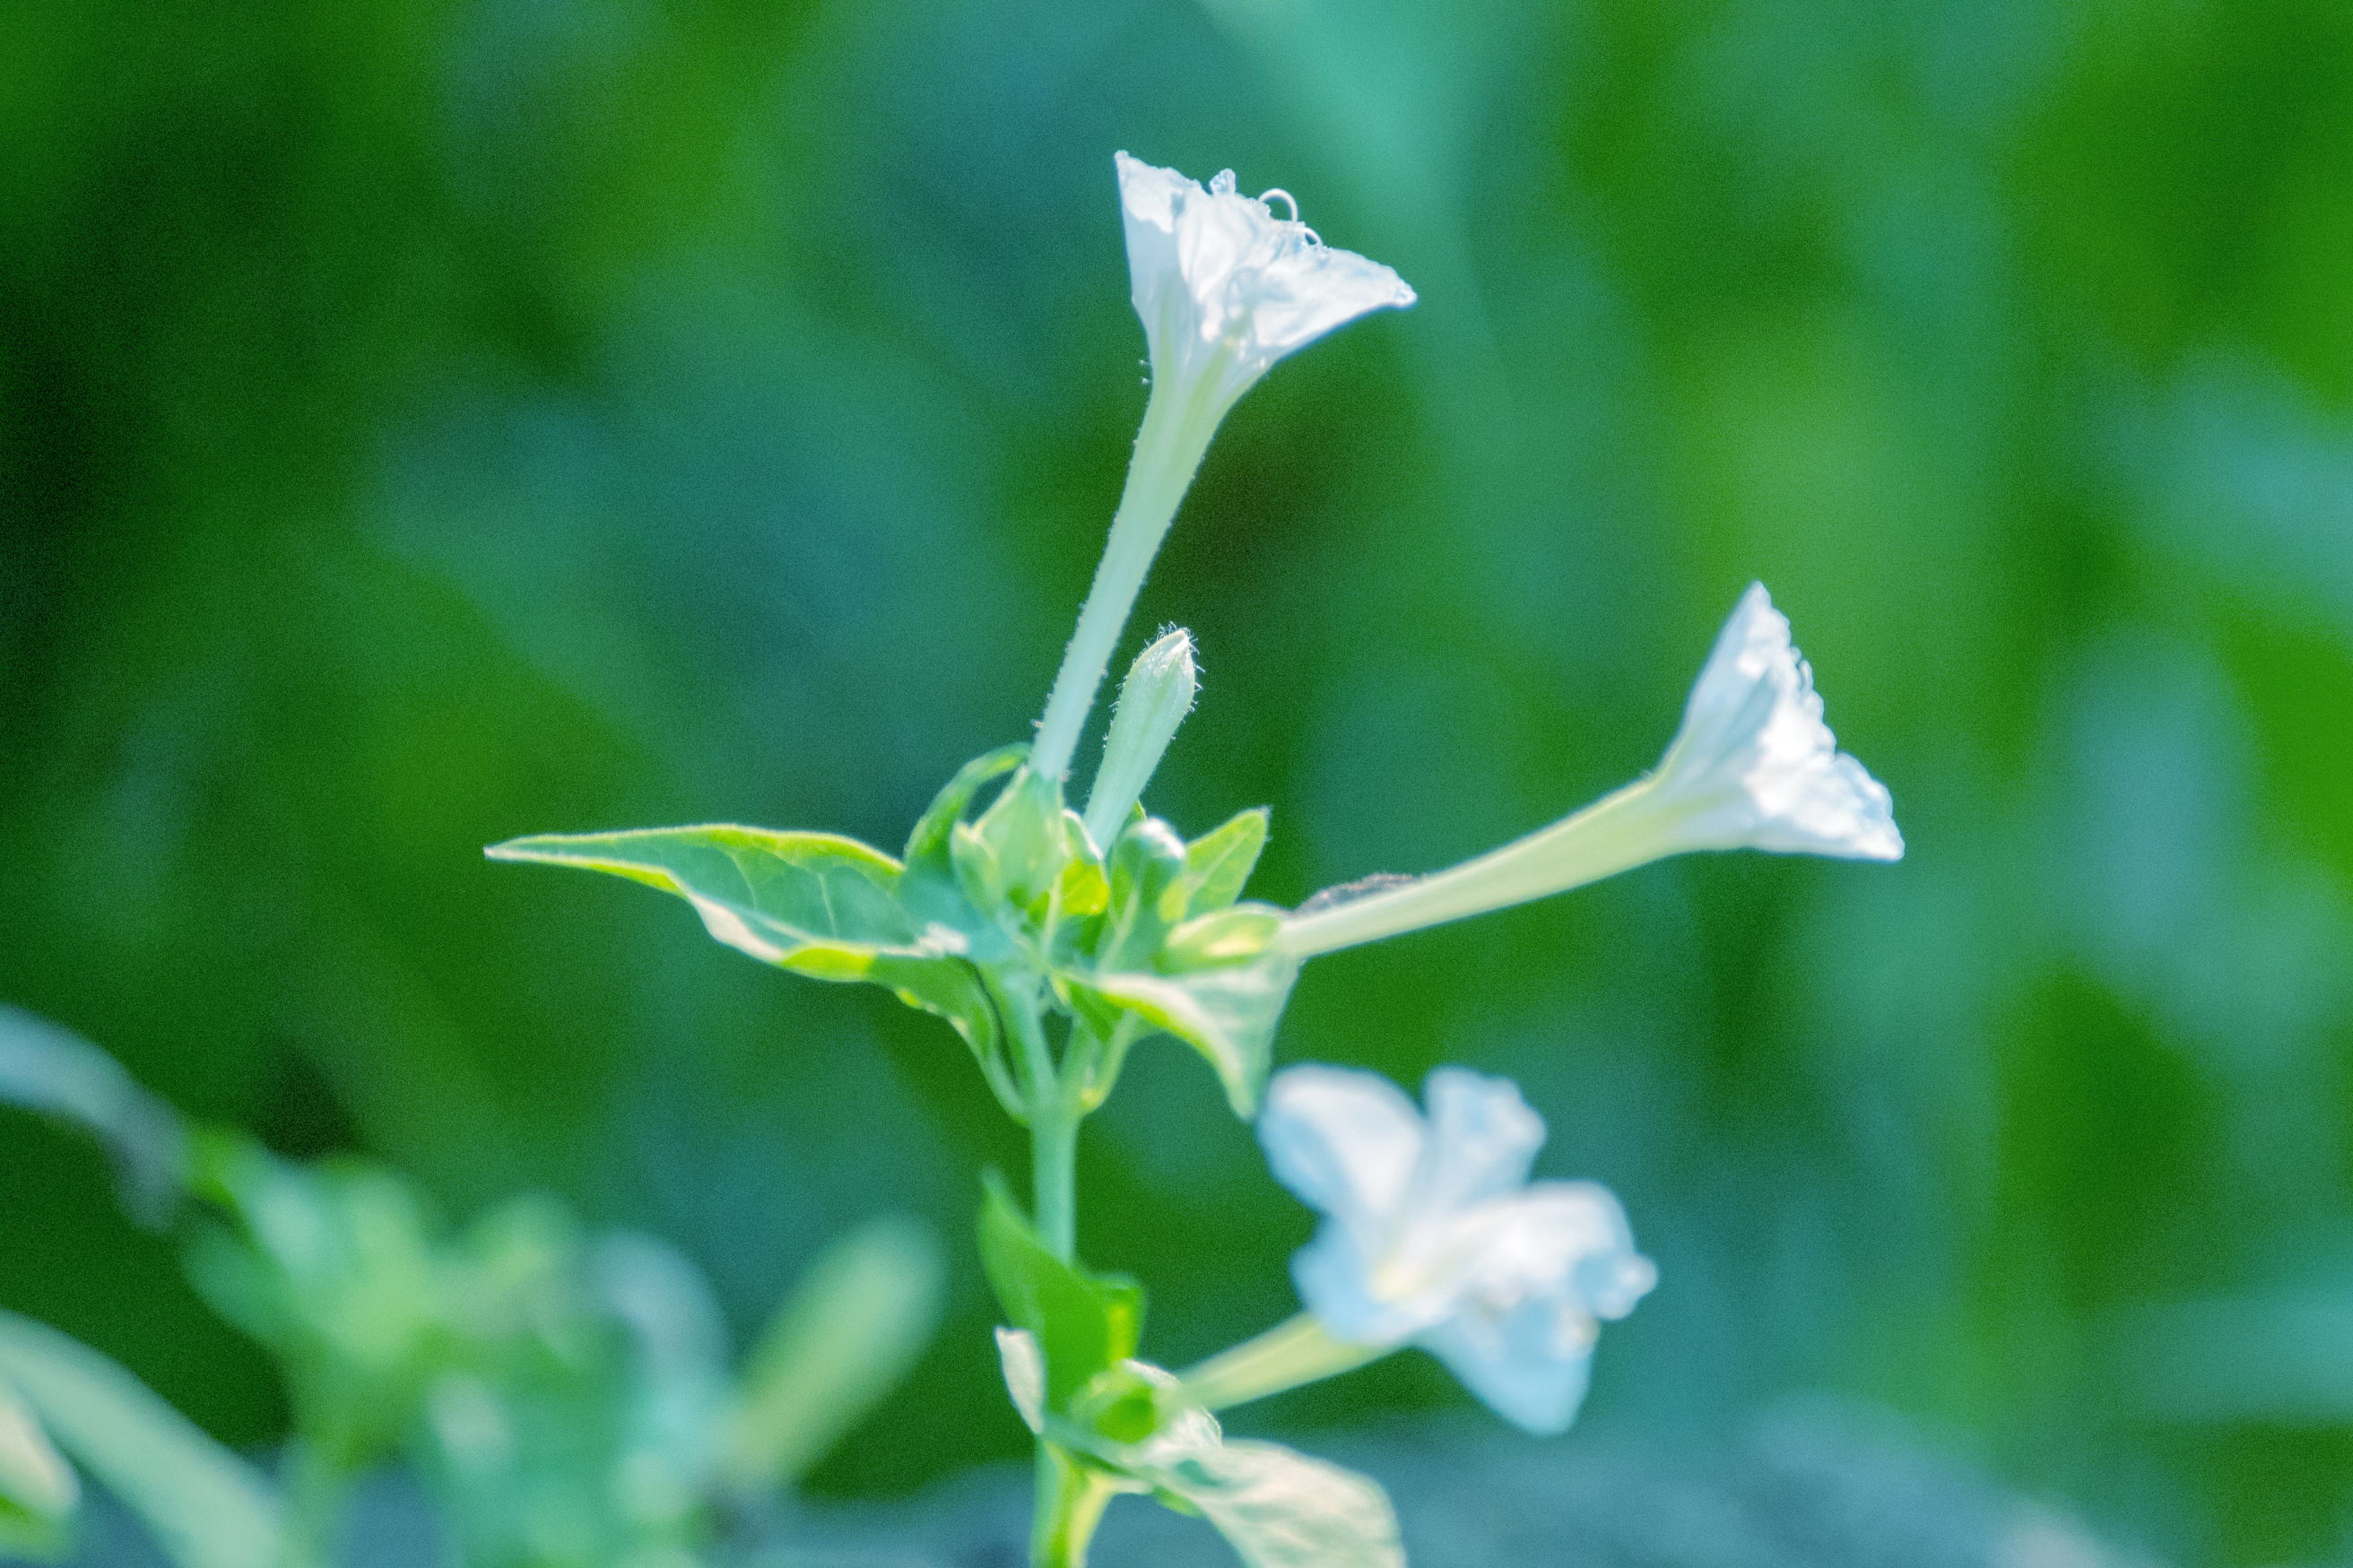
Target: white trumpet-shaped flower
<point>1434,1235</point>
<point>1226,288</point>
<point>1752,767</point>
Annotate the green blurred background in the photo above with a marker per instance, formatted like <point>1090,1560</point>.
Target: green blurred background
<point>427,422</point>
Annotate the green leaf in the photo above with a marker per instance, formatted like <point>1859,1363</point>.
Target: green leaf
<point>205,1505</point>
<point>1219,864</point>
<point>815,903</point>
<point>52,1070</point>
<point>1277,1507</point>
<point>849,1335</point>
<point>1147,895</point>
<point>1030,837</point>
<point>1232,935</point>
<point>38,1491</point>
<point>1227,1013</point>
<point>1083,1322</point>
<point>928,888</point>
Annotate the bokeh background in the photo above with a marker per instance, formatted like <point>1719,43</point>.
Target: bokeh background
<point>428,421</point>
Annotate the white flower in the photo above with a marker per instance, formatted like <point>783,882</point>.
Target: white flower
<point>1752,767</point>
<point>1226,288</point>
<point>1435,1236</point>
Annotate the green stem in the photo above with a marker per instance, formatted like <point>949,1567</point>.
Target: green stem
<point>1071,1503</point>
<point>1054,1175</point>
<point>1285,1356</point>
<point>1169,449</point>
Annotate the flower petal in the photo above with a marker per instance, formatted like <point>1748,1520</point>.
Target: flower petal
<point>1483,1138</point>
<point>1529,1363</point>
<point>1346,1141</point>
<point>1225,288</point>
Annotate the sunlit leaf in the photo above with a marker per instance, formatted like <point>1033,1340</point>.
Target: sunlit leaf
<point>205,1505</point>
<point>1219,864</point>
<point>1227,1013</point>
<point>54,1072</point>
<point>815,903</point>
<point>1279,1508</point>
<point>1083,1321</point>
<point>846,1336</point>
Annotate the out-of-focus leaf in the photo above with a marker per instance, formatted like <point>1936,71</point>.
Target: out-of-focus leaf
<point>38,1491</point>
<point>205,1507</point>
<point>333,1266</point>
<point>677,1385</point>
<point>852,1328</point>
<point>51,1069</point>
<point>1219,864</point>
<point>1228,1013</point>
<point>1277,1507</point>
<point>1083,1321</point>
<point>815,903</point>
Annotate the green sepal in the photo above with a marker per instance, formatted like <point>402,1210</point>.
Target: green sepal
<point>815,903</point>
<point>929,888</point>
<point>1219,864</point>
<point>1228,1013</point>
<point>1029,842</point>
<point>1083,1322</point>
<point>1147,895</point>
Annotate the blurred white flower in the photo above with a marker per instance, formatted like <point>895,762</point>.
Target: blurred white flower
<point>1752,767</point>
<point>1226,288</point>
<point>1435,1236</point>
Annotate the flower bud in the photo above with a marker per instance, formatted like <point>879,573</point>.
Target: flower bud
<point>1159,692</point>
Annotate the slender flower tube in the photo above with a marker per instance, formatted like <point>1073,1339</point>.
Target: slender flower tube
<point>1225,289</point>
<point>1752,767</point>
<point>1434,1236</point>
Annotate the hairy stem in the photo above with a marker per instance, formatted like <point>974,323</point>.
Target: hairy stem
<point>1168,449</point>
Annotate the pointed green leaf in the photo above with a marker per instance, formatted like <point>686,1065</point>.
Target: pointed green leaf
<point>1227,1013</point>
<point>1219,864</point>
<point>1279,1508</point>
<point>47,1068</point>
<point>1083,1321</point>
<point>927,846</point>
<point>929,888</point>
<point>815,903</point>
<point>846,1336</point>
<point>38,1491</point>
<point>205,1505</point>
